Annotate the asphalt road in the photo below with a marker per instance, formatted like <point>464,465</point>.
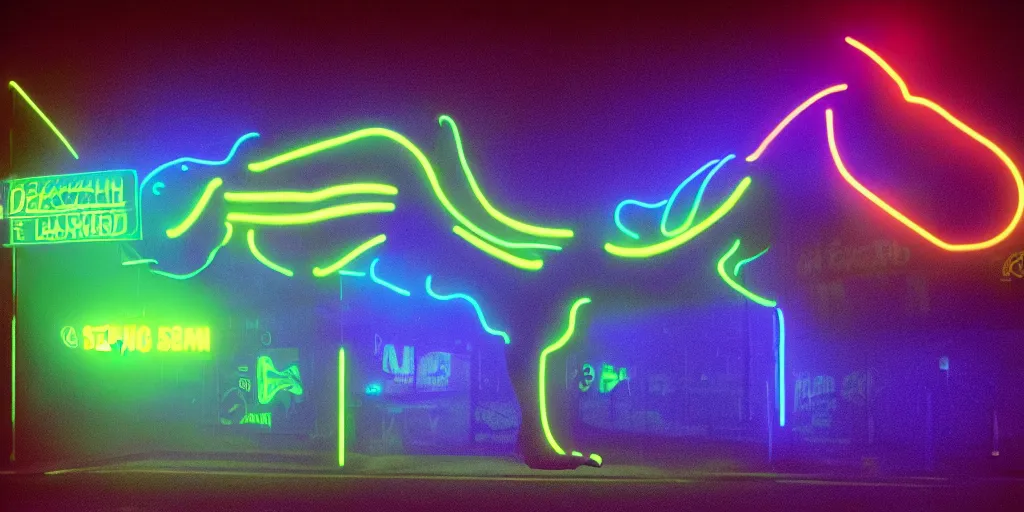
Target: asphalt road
<point>152,489</point>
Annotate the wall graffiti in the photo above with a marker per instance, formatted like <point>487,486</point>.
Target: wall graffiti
<point>815,396</point>
<point>836,258</point>
<point>1013,267</point>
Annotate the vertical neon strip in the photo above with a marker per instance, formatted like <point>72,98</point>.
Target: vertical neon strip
<point>782,367</point>
<point>341,406</point>
<point>542,370</point>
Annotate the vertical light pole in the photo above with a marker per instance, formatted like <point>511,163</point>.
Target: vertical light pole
<point>341,406</point>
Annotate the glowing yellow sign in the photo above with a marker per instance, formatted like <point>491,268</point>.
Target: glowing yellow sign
<point>138,338</point>
<point>83,207</point>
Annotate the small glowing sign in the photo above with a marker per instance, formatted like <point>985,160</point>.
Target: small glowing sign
<point>137,338</point>
<point>84,207</point>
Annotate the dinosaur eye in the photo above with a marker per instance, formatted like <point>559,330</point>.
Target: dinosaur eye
<point>157,187</point>
<point>184,167</point>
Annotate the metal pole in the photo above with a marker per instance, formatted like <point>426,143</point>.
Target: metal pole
<point>14,296</point>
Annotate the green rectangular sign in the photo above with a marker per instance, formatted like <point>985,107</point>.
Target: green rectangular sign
<point>83,207</point>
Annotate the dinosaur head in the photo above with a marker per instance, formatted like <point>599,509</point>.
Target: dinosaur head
<point>175,197</point>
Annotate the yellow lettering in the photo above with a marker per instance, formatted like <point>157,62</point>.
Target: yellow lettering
<point>145,339</point>
<point>116,188</point>
<point>190,339</point>
<point>88,343</point>
<point>115,333</point>
<point>128,341</point>
<point>163,339</point>
<point>31,194</point>
<point>203,344</point>
<point>17,198</point>
<point>176,338</point>
<point>102,344</point>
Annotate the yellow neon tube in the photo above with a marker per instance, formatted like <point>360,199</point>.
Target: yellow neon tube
<point>197,210</point>
<point>522,227</point>
<point>428,169</point>
<point>659,248</point>
<point>13,85</point>
<point>792,115</point>
<point>251,238</point>
<point>351,255</point>
<point>541,373</point>
<point>310,197</point>
<point>502,255</point>
<point>293,219</point>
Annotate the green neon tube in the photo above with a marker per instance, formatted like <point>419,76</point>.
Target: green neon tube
<point>14,359</point>
<point>353,273</point>
<point>144,261</point>
<point>667,245</point>
<point>209,259</point>
<point>341,406</point>
<point>736,286</point>
<point>542,377</point>
<point>511,259</point>
<point>522,227</point>
<point>351,255</point>
<point>251,238</point>
<point>741,263</point>
<point>310,197</point>
<point>197,210</point>
<point>420,158</point>
<point>294,219</point>
<point>53,128</point>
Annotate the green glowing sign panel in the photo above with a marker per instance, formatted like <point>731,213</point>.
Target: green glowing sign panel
<point>84,207</point>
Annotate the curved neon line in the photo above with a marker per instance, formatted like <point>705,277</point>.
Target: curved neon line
<point>917,100</point>
<point>373,276</point>
<point>251,238</point>
<point>231,154</point>
<point>633,202</point>
<point>736,286</point>
<point>310,197</point>
<point>197,210</point>
<point>782,367</point>
<point>157,187</point>
<point>293,219</point>
<point>739,264</point>
<point>652,250</point>
<point>522,227</point>
<point>675,193</point>
<point>476,306</point>
<point>792,115</point>
<point>428,169</point>
<point>696,201</point>
<point>209,259</point>
<point>500,254</point>
<point>13,85</point>
<point>542,378</point>
<point>351,255</point>
<point>144,261</point>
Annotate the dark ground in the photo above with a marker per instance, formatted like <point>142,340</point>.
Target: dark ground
<point>440,483</point>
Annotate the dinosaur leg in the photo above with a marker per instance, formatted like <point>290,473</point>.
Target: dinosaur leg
<point>542,434</point>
